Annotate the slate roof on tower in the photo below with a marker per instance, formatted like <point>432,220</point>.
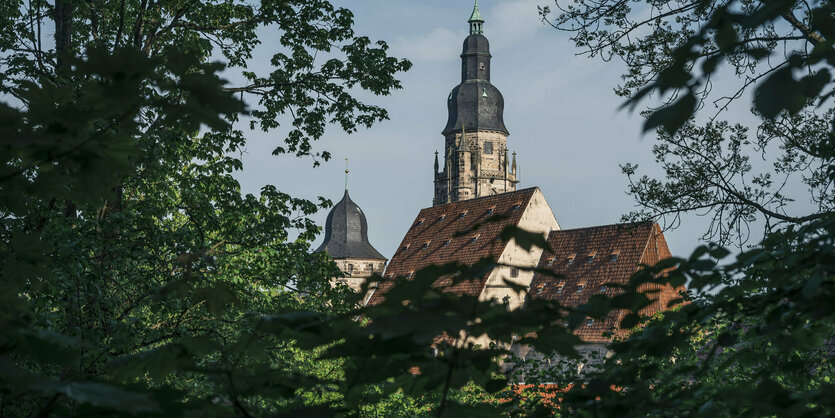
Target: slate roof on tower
<point>586,259</point>
<point>346,232</point>
<point>436,238</point>
<point>475,104</point>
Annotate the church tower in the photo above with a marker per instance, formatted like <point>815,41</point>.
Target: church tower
<point>476,160</point>
<point>346,241</point>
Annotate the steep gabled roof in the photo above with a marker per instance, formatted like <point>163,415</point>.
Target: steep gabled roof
<point>585,259</point>
<point>459,232</point>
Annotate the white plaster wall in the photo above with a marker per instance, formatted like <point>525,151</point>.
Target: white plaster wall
<point>538,217</point>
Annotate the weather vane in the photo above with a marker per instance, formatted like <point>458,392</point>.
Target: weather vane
<point>346,174</point>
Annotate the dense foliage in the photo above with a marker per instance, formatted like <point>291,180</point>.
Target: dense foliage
<point>757,337</point>
<point>711,56</point>
<point>134,270</point>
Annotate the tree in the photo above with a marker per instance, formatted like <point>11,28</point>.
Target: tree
<point>134,270</point>
<point>756,337</point>
<point>680,50</point>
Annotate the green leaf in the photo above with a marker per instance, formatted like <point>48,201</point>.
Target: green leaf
<point>218,297</point>
<point>672,117</point>
<point>525,239</point>
<point>779,92</point>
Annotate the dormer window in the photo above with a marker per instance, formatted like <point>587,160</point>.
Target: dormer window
<point>462,214</point>
<point>441,218</point>
<point>590,258</point>
<point>446,243</point>
<point>539,288</point>
<point>426,245</point>
<point>589,322</point>
<point>560,287</point>
<point>549,261</point>
<point>571,259</point>
<point>580,288</point>
<point>614,256</point>
<point>516,206</point>
<point>419,221</point>
<point>405,247</point>
<point>411,273</point>
<point>491,210</point>
<point>475,238</point>
<point>604,288</point>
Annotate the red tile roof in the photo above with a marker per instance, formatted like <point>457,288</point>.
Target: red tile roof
<point>587,258</point>
<point>457,232</point>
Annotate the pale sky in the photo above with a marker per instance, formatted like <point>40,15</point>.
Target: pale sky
<point>563,117</point>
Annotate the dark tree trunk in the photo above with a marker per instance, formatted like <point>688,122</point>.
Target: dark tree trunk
<point>63,31</point>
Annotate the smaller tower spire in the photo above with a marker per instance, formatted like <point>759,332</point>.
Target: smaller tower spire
<point>513,166</point>
<point>436,161</point>
<point>464,145</point>
<point>476,21</point>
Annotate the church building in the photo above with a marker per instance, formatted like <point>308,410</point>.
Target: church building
<point>478,182</point>
<point>346,241</point>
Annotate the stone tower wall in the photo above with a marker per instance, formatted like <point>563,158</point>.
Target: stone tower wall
<point>481,167</point>
<point>358,270</point>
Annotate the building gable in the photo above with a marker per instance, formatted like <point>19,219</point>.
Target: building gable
<point>459,232</point>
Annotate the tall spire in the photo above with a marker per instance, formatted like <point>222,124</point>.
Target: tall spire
<point>476,21</point>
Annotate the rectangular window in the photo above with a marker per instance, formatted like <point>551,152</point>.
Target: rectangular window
<point>488,147</point>
<point>559,288</point>
<point>589,322</point>
<point>514,272</point>
<point>580,288</point>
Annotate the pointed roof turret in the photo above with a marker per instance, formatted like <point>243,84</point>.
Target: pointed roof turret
<point>475,103</point>
<point>476,21</point>
<point>346,232</point>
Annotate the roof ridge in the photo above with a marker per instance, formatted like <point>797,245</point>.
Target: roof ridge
<point>620,224</point>
<point>529,189</point>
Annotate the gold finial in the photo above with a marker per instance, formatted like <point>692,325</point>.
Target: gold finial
<point>346,174</point>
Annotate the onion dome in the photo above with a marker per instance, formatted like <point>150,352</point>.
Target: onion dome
<point>475,104</point>
<point>346,232</point>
